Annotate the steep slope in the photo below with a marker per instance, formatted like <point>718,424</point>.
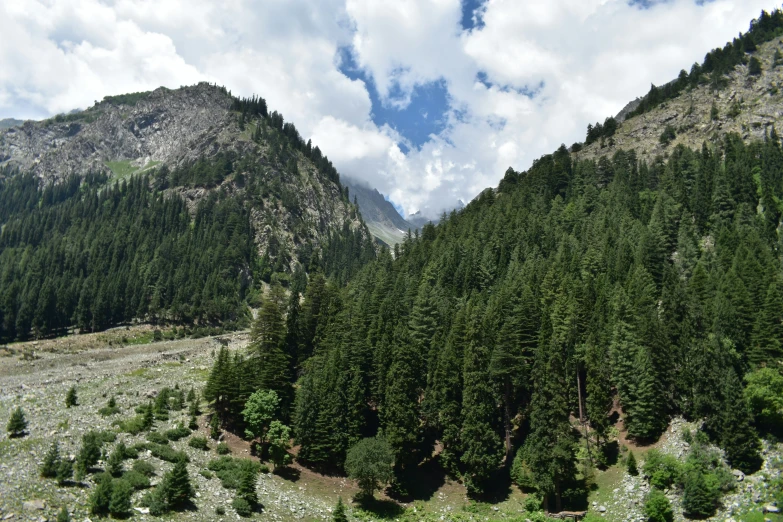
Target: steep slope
<point>381,217</point>
<point>720,103</point>
<point>163,206</point>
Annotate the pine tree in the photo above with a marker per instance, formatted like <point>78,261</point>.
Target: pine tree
<point>400,413</point>
<point>176,486</point>
<point>51,461</point>
<point>272,364</point>
<point>247,487</point>
<point>737,436</point>
<point>64,472</point>
<point>70,398</point>
<point>632,469</point>
<point>114,464</point>
<point>483,449</point>
<point>148,419</point>
<point>17,425</point>
<point>101,495</point>
<point>768,332</point>
<point>120,503</point>
<point>338,515</point>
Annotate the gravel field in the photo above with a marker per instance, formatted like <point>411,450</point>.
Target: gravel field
<point>100,367</point>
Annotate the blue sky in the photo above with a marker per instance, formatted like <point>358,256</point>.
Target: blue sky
<point>429,101</point>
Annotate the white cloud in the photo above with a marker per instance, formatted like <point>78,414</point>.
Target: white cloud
<point>592,57</point>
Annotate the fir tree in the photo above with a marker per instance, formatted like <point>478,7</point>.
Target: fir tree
<point>338,515</point>
<point>175,486</point>
<point>120,503</point>
<point>631,464</point>
<point>482,446</point>
<point>17,425</point>
<point>51,461</point>
<point>101,495</point>
<point>70,397</point>
<point>247,487</point>
<point>279,437</point>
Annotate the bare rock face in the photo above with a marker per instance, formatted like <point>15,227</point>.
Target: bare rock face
<point>746,105</point>
<point>162,126</point>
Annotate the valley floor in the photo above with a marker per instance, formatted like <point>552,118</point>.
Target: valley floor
<point>120,362</point>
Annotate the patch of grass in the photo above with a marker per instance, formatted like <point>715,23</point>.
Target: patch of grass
<point>758,516</point>
<point>121,169</point>
<point>140,372</point>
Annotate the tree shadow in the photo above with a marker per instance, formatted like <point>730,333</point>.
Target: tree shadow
<point>383,509</point>
<point>420,483</point>
<point>497,488</point>
<point>611,451</point>
<point>288,473</point>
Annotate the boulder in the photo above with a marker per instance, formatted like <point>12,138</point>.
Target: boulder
<point>34,505</point>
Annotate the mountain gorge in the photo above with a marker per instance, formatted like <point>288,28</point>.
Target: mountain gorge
<point>621,298</point>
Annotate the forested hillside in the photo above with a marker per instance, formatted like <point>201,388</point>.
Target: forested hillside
<point>186,240</point>
<point>576,290</point>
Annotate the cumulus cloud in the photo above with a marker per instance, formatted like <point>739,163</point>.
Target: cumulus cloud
<point>529,77</point>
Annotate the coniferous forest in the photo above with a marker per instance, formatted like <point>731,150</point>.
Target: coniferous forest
<point>577,290</point>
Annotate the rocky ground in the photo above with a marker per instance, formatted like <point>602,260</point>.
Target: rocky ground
<point>622,498</point>
<point>131,373</point>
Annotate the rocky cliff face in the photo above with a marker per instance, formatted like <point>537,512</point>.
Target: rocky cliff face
<point>746,105</point>
<point>295,208</point>
<point>381,217</point>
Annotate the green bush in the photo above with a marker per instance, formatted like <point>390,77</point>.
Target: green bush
<point>222,448</point>
<point>229,469</point>
<point>166,453</point>
<point>136,479</point>
<point>668,135</point>
<point>220,510</point>
<point>198,442</point>
<point>134,425</point>
<point>242,507</point>
<point>144,467</point>
<point>157,438</point>
<point>177,433</point>
<point>120,503</point>
<point>657,507</point>
<point>662,470</point>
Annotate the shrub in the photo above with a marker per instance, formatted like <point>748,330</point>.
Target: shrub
<point>177,433</point>
<point>206,474</point>
<point>64,472</point>
<point>133,426</point>
<point>157,438</point>
<point>220,510</point>
<point>667,136</point>
<point>198,442</point>
<point>242,507</point>
<point>657,507</point>
<point>230,469</point>
<point>279,437</point>
<point>370,462</point>
<point>662,470</point>
<point>166,453</point>
<point>144,467</point>
<point>136,479</point>
<point>754,66</point>
<point>110,408</point>
<point>222,448</point>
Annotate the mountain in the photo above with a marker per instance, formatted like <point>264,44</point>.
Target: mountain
<point>10,122</point>
<point>170,205</point>
<point>383,220</point>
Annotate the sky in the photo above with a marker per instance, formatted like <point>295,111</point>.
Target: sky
<point>429,101</point>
